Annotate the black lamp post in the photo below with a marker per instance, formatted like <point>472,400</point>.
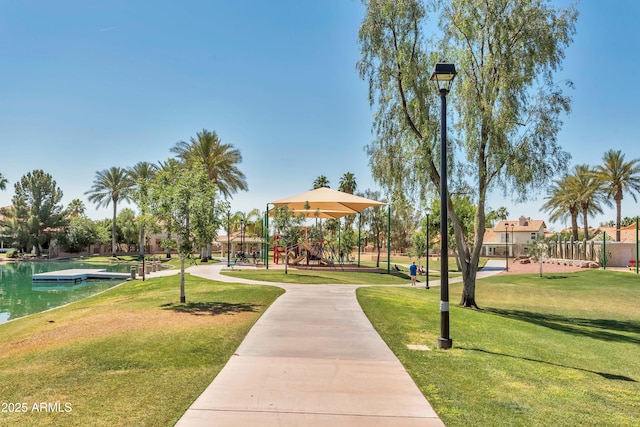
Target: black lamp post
<point>443,75</point>
<point>506,247</point>
<point>426,273</point>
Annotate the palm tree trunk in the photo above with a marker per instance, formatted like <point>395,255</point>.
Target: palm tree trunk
<point>113,230</point>
<point>618,216</point>
<point>585,223</point>
<point>574,225</point>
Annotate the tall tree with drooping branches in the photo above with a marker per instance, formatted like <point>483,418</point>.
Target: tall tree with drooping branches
<point>505,101</point>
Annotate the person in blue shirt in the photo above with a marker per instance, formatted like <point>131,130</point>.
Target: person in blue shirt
<point>413,271</point>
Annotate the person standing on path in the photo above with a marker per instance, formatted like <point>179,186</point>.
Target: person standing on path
<point>413,271</point>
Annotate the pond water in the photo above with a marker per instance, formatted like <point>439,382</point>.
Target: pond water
<point>20,297</point>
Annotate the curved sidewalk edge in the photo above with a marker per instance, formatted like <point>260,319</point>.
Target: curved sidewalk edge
<point>312,359</point>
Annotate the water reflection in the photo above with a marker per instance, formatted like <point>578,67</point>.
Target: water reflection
<point>20,297</point>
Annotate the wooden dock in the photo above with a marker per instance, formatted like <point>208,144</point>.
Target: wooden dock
<point>77,275</point>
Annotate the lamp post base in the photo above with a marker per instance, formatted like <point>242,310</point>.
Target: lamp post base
<point>445,343</point>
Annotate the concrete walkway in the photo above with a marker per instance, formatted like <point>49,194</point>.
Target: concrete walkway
<point>312,359</point>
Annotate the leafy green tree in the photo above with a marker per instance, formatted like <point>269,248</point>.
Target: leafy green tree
<point>374,219</point>
<point>404,221</point>
<point>38,214</point>
<point>348,240</point>
<point>128,230</point>
<point>505,99</point>
<point>109,187</point>
<point>618,177</point>
<point>287,226</point>
<point>80,233</point>
<point>142,174</point>
<point>180,198</point>
<point>321,182</point>
<point>220,162</point>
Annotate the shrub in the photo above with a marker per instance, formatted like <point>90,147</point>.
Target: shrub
<point>12,253</point>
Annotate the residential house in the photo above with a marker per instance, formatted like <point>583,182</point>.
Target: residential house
<point>512,237</point>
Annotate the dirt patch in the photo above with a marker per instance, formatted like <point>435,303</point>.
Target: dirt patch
<point>67,328</point>
<point>515,267</point>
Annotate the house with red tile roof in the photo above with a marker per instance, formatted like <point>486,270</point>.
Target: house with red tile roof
<point>512,237</point>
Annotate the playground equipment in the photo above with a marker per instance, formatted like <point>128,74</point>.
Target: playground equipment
<point>280,254</point>
<point>319,254</point>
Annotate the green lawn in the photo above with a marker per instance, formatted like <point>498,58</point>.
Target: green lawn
<point>328,276</point>
<point>131,356</point>
<point>562,350</point>
<point>322,276</point>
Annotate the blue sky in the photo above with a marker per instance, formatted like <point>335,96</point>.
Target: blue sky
<point>89,85</point>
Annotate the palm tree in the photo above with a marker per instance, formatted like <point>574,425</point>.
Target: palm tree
<point>141,175</point>
<point>588,188</point>
<point>245,223</point>
<point>563,202</point>
<point>3,182</point>
<point>619,176</point>
<point>348,183</point>
<point>220,160</point>
<point>321,182</point>
<point>76,208</point>
<point>110,186</point>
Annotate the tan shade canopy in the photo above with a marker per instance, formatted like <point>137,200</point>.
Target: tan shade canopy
<point>326,203</point>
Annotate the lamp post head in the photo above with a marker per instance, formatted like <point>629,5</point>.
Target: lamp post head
<point>445,73</point>
<point>428,211</point>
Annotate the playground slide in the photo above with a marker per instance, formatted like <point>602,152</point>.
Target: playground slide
<point>318,254</point>
<point>296,261</point>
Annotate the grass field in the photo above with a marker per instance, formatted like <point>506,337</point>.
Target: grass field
<point>323,276</point>
<point>562,350</point>
<point>131,356</point>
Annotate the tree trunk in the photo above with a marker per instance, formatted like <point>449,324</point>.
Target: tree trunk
<point>468,298</point>
<point>286,259</point>
<point>618,216</point>
<point>574,224</point>
<point>467,260</point>
<point>585,216</point>
<point>113,231</point>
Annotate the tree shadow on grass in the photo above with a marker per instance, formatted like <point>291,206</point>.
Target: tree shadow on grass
<point>212,308</point>
<point>602,374</point>
<point>601,329</point>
